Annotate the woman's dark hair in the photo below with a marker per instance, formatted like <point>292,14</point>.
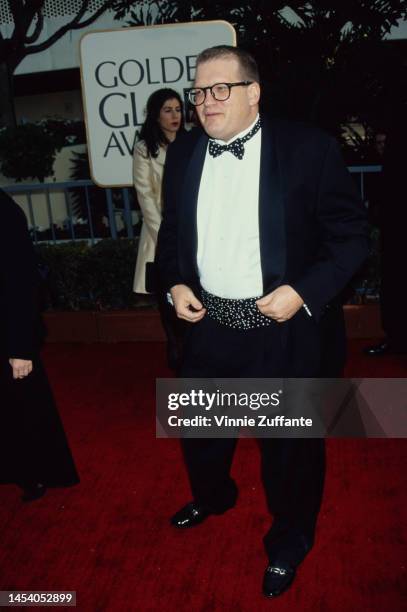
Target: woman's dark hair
<point>151,131</point>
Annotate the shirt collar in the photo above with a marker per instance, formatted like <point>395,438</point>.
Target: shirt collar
<point>240,135</point>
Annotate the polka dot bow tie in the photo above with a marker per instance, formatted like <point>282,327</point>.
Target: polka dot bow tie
<point>236,147</point>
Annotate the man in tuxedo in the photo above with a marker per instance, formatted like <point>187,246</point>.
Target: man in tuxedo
<point>262,228</point>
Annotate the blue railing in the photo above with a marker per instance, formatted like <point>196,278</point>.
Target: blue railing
<point>362,171</point>
<point>78,210</point>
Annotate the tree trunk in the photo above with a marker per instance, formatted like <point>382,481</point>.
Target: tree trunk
<point>7,110</point>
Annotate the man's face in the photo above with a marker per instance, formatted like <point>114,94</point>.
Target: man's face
<point>223,120</point>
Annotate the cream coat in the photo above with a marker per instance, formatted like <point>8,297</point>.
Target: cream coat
<point>147,178</point>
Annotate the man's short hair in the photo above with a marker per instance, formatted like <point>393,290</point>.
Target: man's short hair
<point>247,63</point>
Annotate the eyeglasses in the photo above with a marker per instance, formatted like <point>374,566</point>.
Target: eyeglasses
<point>219,91</point>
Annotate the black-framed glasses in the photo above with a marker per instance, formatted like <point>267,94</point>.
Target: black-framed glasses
<point>219,91</point>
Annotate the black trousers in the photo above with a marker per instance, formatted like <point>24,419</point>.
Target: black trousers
<point>292,470</point>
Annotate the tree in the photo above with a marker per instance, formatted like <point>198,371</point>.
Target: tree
<point>28,17</point>
<point>322,61</point>
<point>28,150</point>
<point>328,63</point>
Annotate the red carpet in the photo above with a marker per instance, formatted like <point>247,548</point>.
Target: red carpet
<point>109,537</point>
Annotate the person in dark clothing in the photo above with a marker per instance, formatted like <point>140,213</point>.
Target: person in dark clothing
<point>392,221</point>
<point>373,180</point>
<point>34,452</point>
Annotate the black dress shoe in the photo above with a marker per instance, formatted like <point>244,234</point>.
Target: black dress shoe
<point>277,578</point>
<point>377,349</point>
<point>385,348</point>
<point>190,515</point>
<point>34,491</point>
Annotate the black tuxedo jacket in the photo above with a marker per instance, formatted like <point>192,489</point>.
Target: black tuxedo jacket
<point>313,229</point>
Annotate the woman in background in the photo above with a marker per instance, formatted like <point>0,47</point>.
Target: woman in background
<point>164,119</point>
<point>34,452</point>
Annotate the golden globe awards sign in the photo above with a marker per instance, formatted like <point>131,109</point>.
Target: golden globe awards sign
<point>119,71</point>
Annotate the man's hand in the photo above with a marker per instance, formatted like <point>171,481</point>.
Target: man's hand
<point>184,300</point>
<point>21,367</point>
<point>281,304</point>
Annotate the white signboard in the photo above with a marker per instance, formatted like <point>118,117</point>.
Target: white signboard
<point>119,71</point>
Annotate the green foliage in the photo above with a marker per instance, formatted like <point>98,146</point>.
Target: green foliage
<point>321,62</point>
<point>66,282</point>
<point>80,170</point>
<point>64,131</point>
<point>81,277</point>
<point>28,151</point>
<point>109,268</point>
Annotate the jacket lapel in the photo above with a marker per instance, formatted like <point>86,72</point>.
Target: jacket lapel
<point>271,211</point>
<point>188,235</point>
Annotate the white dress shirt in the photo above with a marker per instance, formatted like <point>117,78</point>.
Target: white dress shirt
<point>228,222</point>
